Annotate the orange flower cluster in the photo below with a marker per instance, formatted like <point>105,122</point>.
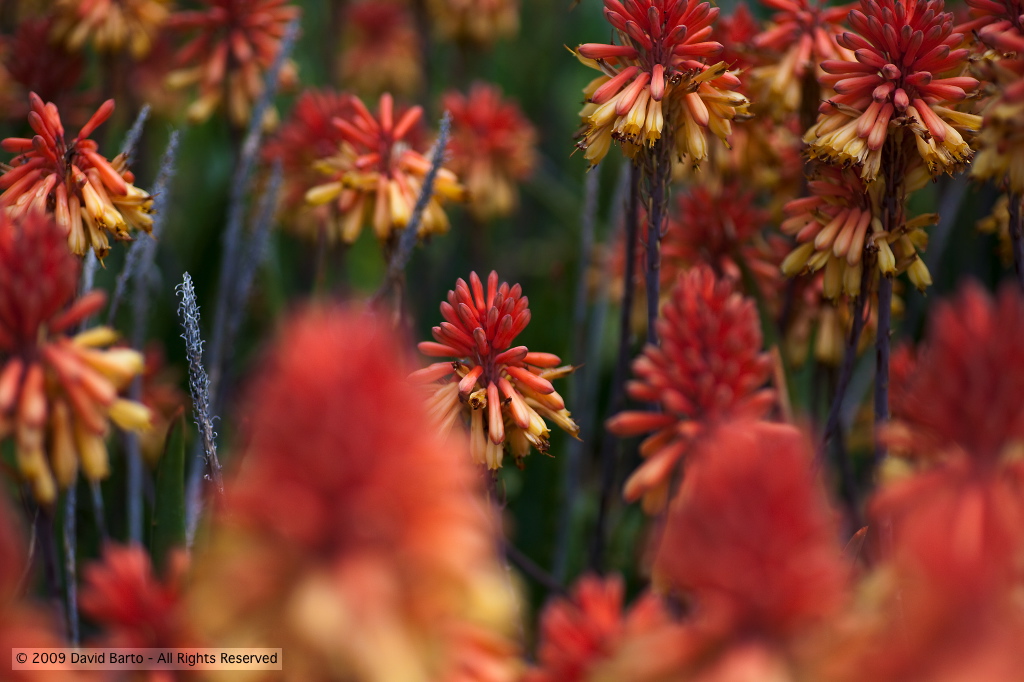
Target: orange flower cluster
<point>381,52</point>
<point>836,229</point>
<point>475,22</point>
<point>493,147</point>
<point>998,28</point>
<point>87,195</point>
<point>377,175</point>
<point>906,77</point>
<point>135,608</point>
<point>578,634</point>
<point>709,368</point>
<point>373,541</point>
<point>308,135</point>
<point>656,82</point>
<point>511,385</point>
<point>236,42</point>
<point>57,392</point>
<point>111,25</point>
<point>804,32</point>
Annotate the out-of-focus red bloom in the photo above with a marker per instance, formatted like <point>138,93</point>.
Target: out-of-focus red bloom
<point>959,398</point>
<point>657,81</point>
<point>954,501</point>
<point>377,175</point>
<point>578,633</point>
<point>804,33</point>
<point>57,392</point>
<point>493,147</point>
<point>477,22</point>
<point>236,42</point>
<point>306,136</point>
<point>21,624</point>
<point>736,33</point>
<point>87,195</point>
<point>723,237</point>
<point>751,536</point>
<point>364,546</point>
<point>37,66</point>
<point>997,23</point>
<point>135,608</point>
<point>908,68</point>
<point>111,25</point>
<point>381,52</point>
<point>510,385</point>
<point>709,368</point>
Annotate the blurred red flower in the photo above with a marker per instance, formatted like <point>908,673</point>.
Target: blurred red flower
<point>353,536</point>
<point>493,147</point>
<point>708,369</point>
<point>57,391</point>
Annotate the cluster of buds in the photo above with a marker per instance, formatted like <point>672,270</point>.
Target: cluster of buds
<point>377,175</point>
<point>57,392</point>
<point>837,228</point>
<point>656,82</point>
<point>708,368</point>
<point>89,196</point>
<point>493,147</point>
<point>305,137</point>
<point>907,71</point>
<point>505,392</point>
<point>804,32</point>
<point>475,22</point>
<point>111,25</point>
<point>237,41</point>
<point>382,50</point>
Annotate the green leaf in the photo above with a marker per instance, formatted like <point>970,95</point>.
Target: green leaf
<point>169,515</point>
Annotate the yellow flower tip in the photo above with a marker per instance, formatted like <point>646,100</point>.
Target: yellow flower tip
<point>130,415</point>
<point>919,274</point>
<point>797,259</point>
<point>97,337</point>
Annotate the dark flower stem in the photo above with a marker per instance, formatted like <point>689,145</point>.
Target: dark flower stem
<point>658,175</point>
<point>530,568</point>
<point>1016,230</point>
<point>609,444</point>
<point>580,389</point>
<point>861,308</point>
<point>893,221</point>
<point>71,563</point>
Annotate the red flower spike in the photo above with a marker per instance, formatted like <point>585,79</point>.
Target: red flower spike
<point>381,50</point>
<point>908,67</point>
<point>493,147</point>
<point>656,77</point>
<point>307,135</point>
<point>89,196</point>
<point>577,635</point>
<point>235,43</point>
<point>517,394</point>
<point>378,173</point>
<point>709,368</point>
<point>136,609</point>
<point>751,536</point>
<point>334,520</point>
<point>56,393</point>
